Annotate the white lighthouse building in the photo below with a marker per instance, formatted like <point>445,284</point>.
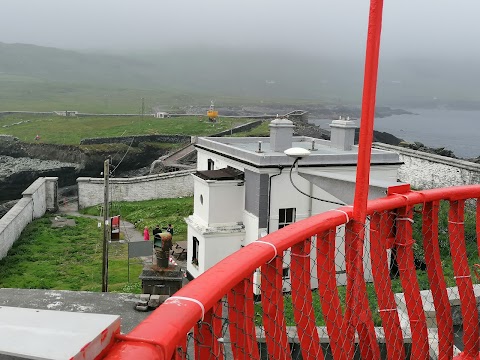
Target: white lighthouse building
<point>243,190</point>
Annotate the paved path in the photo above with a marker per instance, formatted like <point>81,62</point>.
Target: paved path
<point>70,207</point>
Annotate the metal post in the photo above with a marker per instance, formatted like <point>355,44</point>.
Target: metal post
<point>358,313</point>
<point>106,226</point>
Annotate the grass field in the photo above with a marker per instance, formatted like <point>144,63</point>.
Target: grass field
<point>68,258</point>
<point>58,129</point>
<point>152,212</point>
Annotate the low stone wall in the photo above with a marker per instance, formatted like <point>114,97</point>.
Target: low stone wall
<point>38,198</point>
<point>239,128</point>
<point>167,185</point>
<point>427,171</point>
<point>170,139</point>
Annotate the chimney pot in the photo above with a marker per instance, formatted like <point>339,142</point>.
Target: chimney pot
<point>342,134</point>
<point>281,135</point>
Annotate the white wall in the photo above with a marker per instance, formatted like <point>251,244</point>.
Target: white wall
<point>251,227</point>
<point>218,202</point>
<point>169,185</point>
<point>219,246</point>
<point>213,246</point>
<point>201,199</point>
<point>427,171</point>
<point>37,199</point>
<point>227,201</point>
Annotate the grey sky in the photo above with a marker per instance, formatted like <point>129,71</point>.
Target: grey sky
<point>411,27</point>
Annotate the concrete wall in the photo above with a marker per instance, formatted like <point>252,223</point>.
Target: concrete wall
<point>169,185</point>
<point>39,197</point>
<point>427,171</point>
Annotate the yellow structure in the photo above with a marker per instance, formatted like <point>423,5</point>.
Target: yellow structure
<point>212,113</point>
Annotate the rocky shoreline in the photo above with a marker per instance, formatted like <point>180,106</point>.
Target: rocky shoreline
<point>16,173</point>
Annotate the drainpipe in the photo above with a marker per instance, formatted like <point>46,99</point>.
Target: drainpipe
<point>310,199</point>
<point>270,196</point>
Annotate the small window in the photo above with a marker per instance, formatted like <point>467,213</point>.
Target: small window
<point>211,164</point>
<point>286,217</point>
<point>286,273</point>
<point>196,245</point>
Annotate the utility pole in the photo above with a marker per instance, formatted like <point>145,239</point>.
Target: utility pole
<point>143,107</point>
<point>106,225</point>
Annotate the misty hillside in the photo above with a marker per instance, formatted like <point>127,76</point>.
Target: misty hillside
<point>249,74</point>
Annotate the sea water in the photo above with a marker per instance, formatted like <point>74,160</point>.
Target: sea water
<point>456,130</point>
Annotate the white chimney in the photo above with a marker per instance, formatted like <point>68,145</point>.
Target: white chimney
<point>281,134</point>
<point>342,134</point>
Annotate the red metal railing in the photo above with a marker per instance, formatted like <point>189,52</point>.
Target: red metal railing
<point>163,335</point>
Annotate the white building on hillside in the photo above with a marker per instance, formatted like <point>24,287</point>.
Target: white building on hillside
<point>242,189</point>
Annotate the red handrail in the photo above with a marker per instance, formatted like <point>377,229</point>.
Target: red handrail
<point>159,335</point>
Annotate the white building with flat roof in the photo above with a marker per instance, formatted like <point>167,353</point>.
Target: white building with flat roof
<point>243,190</point>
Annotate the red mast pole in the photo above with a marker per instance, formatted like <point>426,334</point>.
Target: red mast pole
<point>358,316</point>
<point>368,110</point>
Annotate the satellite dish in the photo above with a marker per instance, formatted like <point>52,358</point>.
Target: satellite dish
<point>297,152</point>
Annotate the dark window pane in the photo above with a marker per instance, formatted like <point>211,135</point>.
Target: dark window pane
<point>289,215</point>
<point>281,216</point>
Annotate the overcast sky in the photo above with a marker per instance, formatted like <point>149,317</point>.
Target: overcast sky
<point>411,27</point>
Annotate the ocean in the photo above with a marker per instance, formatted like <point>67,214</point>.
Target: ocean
<point>455,130</point>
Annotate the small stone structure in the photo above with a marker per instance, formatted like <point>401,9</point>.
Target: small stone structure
<point>159,281</point>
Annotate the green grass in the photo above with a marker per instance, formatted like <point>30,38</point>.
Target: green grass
<point>58,130</point>
<point>152,212</point>
<point>68,258</point>
<point>261,130</point>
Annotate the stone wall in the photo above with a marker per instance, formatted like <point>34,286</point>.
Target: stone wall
<point>427,171</point>
<point>39,197</point>
<point>167,185</point>
<point>170,139</point>
<point>238,129</point>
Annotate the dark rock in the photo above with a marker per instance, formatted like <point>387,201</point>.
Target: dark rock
<point>431,150</point>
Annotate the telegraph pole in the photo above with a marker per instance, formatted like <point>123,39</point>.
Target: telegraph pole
<point>106,225</point>
<point>143,107</point>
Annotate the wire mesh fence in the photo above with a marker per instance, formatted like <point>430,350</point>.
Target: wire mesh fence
<point>415,263</point>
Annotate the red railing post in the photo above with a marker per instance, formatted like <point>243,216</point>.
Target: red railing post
<point>437,281</point>
<point>408,278</point>
<point>463,279</point>
<point>207,333</point>
<point>358,316</point>
<point>302,300</point>
<point>273,310</point>
<point>478,225</point>
<point>241,315</point>
<point>340,344</point>
<point>387,307</point>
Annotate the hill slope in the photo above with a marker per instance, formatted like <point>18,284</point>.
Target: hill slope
<point>255,74</point>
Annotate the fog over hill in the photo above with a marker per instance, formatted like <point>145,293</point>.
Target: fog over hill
<point>249,73</point>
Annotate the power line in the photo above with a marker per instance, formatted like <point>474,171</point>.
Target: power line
<point>310,196</point>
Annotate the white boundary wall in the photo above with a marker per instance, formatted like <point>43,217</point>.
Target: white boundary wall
<point>38,198</point>
<point>427,171</point>
<point>169,185</point>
